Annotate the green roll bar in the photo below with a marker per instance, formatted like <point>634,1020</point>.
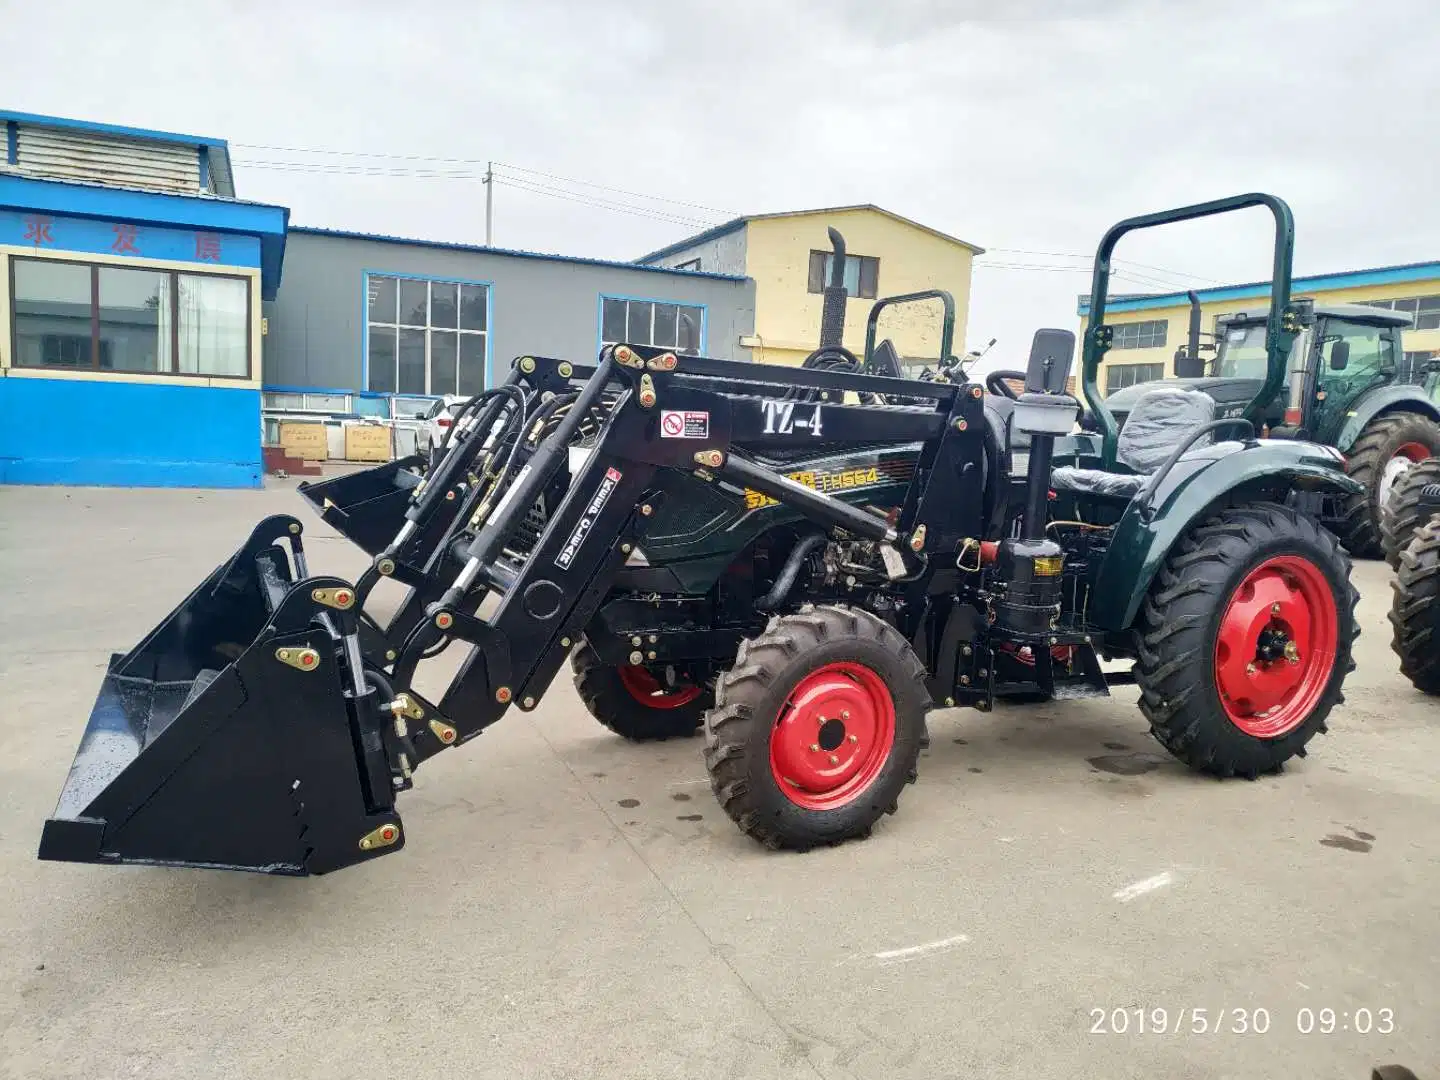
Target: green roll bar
<point>947,328</point>
<point>1280,328</point>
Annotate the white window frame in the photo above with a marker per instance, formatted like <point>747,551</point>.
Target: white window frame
<point>428,329</point>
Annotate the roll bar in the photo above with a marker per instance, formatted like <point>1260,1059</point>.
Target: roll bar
<point>1280,328</point>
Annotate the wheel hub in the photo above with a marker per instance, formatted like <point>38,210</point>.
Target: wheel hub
<point>833,736</point>
<point>1405,456</point>
<point>645,688</point>
<point>1276,646</point>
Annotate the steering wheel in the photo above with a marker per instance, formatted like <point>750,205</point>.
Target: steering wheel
<point>996,384</point>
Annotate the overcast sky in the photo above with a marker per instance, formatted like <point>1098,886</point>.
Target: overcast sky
<point>1027,132</point>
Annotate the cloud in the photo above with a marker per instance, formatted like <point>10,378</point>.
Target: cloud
<point>1030,125</point>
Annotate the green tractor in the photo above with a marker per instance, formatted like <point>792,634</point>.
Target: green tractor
<point>1343,385</point>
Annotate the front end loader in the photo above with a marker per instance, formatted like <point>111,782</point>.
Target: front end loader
<point>802,562</point>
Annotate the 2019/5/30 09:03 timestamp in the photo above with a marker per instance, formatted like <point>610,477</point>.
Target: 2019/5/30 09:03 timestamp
<point>1306,1020</point>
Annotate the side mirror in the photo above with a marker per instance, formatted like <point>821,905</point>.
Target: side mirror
<point>1187,366</point>
<point>420,415</point>
<point>1339,356</point>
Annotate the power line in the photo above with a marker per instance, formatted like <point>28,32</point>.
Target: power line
<point>383,156</point>
<point>1087,258</point>
<point>597,200</point>
<point>617,208</point>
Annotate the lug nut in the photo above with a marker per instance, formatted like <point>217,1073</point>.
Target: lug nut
<point>814,747</point>
<point>834,760</point>
<point>1249,669</point>
<point>844,714</point>
<point>1275,608</point>
<point>854,738</point>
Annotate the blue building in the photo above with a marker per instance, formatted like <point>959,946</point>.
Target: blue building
<point>131,285</point>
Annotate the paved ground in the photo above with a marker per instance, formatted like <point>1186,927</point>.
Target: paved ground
<point>570,905</point>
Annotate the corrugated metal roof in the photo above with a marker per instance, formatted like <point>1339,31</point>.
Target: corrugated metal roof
<point>741,222</point>
<point>60,147</point>
<point>1342,279</point>
<point>509,252</point>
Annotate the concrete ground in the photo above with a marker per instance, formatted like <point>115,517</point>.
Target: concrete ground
<point>570,905</point>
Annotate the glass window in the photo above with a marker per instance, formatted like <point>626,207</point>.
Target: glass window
<point>862,273</point>
<point>434,342</point>
<point>442,361</point>
<point>444,308</point>
<point>382,299</point>
<point>651,322</point>
<point>1150,334</point>
<point>472,364</point>
<point>116,318</point>
<point>214,337</point>
<point>638,327</point>
<point>412,362</point>
<point>134,319</point>
<point>474,299</point>
<point>612,321</point>
<point>382,359</point>
<point>666,316</point>
<point>52,314</point>
<point>1372,351</point>
<point>414,309</point>
<point>1119,376</point>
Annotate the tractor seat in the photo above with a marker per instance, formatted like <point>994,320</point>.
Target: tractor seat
<point>1160,421</point>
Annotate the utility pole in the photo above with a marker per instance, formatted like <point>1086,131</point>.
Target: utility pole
<point>489,201</point>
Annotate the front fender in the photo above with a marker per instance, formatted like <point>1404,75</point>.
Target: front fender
<point>1386,399</point>
<point>1268,468</point>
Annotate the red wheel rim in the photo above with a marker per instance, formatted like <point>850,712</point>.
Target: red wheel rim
<point>646,689</point>
<point>1276,647</point>
<point>833,736</point>
<point>1413,451</point>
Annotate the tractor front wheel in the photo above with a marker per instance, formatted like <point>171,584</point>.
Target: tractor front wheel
<point>1406,509</point>
<point>633,702</point>
<point>1385,450</point>
<point>1245,640</point>
<point>1415,609</point>
<point>817,728</point>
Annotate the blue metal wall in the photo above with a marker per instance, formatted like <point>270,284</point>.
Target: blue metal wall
<point>128,434</point>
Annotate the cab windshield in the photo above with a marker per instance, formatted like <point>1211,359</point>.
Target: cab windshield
<point>1242,352</point>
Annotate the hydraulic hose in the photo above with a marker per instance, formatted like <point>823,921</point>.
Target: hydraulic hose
<point>786,581</point>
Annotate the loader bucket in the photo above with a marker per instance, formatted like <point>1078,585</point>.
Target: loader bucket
<point>368,506</point>
<point>233,736</point>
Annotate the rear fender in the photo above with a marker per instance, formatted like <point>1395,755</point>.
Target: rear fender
<point>1387,399</point>
<point>1268,468</point>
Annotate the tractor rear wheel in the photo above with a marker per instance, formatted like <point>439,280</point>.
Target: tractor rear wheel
<point>632,701</point>
<point>1415,609</point>
<point>817,728</point>
<point>1404,510</point>
<point>1387,447</point>
<point>1245,640</point>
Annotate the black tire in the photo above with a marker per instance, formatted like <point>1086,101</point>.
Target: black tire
<point>754,698</point>
<point>1404,512</point>
<point>604,691</point>
<point>1415,609</point>
<point>1179,628</point>
<point>1383,437</point>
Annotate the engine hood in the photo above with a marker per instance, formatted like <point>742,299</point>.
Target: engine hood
<point>1230,395</point>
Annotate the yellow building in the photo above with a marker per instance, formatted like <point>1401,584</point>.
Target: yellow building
<point>788,257</point>
<point>1150,329</point>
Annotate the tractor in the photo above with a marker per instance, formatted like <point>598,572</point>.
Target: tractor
<point>1415,599</point>
<point>801,563</point>
<point>1342,386</point>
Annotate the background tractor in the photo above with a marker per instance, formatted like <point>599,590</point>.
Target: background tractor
<point>1343,385</point>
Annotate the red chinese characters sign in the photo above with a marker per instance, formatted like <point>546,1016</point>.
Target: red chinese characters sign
<point>125,238</point>
<point>37,231</point>
<point>207,247</point>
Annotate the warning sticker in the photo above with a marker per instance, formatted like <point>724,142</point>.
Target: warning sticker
<point>675,424</point>
<point>587,520</point>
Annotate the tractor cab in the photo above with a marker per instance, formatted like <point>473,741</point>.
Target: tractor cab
<point>1341,352</point>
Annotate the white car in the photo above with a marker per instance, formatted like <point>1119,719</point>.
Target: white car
<point>435,423</point>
